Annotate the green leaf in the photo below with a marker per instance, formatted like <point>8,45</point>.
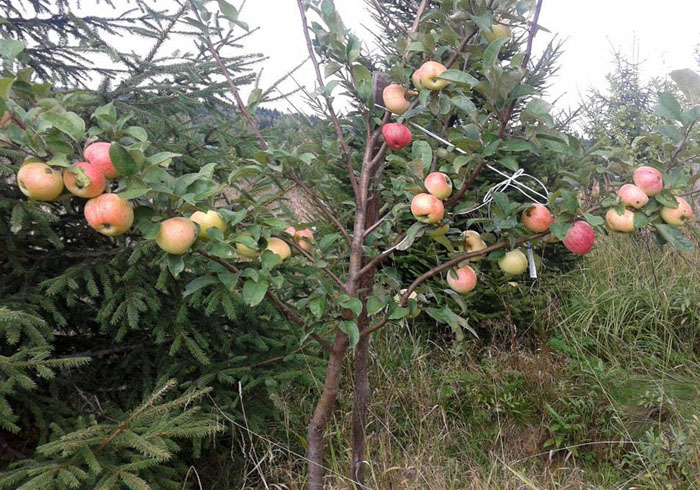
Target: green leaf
<point>176,264</point>
<point>668,107</point>
<point>641,220</point>
<point>675,237</point>
<point>593,220</point>
<point>228,11</point>
<point>269,260</point>
<point>459,77</point>
<point>399,313</point>
<point>331,68</point>
<point>163,158</point>
<point>68,123</point>
<point>9,49</point>
<point>137,132</point>
<point>351,330</point>
<point>422,150</point>
<point>374,305</point>
<point>317,306</point>
<point>5,86</point>
<point>415,46</point>
<point>491,52</point>
<point>464,103</point>
<point>666,198</point>
<point>199,283</point>
<point>135,187</point>
<point>122,160</point>
<point>416,230</point>
<point>689,83</point>
<point>352,304</point>
<point>363,82</point>
<point>560,228</point>
<point>569,201</point>
<point>254,291</point>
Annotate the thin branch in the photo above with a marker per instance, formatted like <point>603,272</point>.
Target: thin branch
<point>389,17</point>
<point>311,259</point>
<point>323,207</point>
<point>467,184</point>
<point>374,327</point>
<point>336,123</point>
<point>379,258</point>
<point>672,162</point>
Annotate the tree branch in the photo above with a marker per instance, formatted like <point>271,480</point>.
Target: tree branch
<point>467,184</point>
<point>323,207</point>
<point>311,259</point>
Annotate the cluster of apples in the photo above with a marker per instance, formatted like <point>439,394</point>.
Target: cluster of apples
<point>107,213</point>
<point>303,238</point>
<point>648,182</point>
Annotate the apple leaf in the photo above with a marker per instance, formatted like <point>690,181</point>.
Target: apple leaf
<point>199,283</point>
<point>69,123</point>
<point>459,77</point>
<point>593,220</point>
<point>422,150</point>
<point>675,237</point>
<point>689,83</point>
<point>464,103</point>
<point>666,198</point>
<point>254,291</point>
<point>641,220</point>
<point>560,228</point>
<point>317,306</point>
<point>399,313</point>
<point>122,160</point>
<point>9,49</point>
<point>269,260</point>
<point>175,264</point>
<point>416,230</point>
<point>137,132</point>
<point>375,305</point>
<point>668,107</point>
<point>351,330</point>
<point>135,187</point>
<point>5,86</point>
<point>491,52</point>
<point>352,304</point>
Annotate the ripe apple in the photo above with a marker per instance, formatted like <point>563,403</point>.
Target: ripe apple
<point>474,243</point>
<point>246,251</point>
<point>580,237</point>
<point>632,196</point>
<point>394,96</point>
<point>624,223</point>
<point>513,262</point>
<point>537,218</point>
<point>280,247</point>
<point>176,235</point>
<point>497,32</point>
<point>80,186</point>
<point>396,135</point>
<point>40,182</point>
<point>427,76</point>
<point>649,180</point>
<point>98,155</point>
<point>439,185</point>
<point>208,220</point>
<point>109,214</point>
<point>303,237</point>
<point>427,208</point>
<point>462,280</point>
<point>679,215</point>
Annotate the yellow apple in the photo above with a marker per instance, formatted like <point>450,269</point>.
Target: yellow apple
<point>394,96</point>
<point>513,262</point>
<point>280,247</point>
<point>176,235</point>
<point>40,182</point>
<point>210,219</point>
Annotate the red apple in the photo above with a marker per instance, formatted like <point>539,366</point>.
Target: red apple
<point>80,186</point>
<point>176,235</point>
<point>98,155</point>
<point>40,182</point>
<point>109,214</point>
<point>427,208</point>
<point>303,237</point>
<point>439,185</point>
<point>280,247</point>
<point>394,97</point>
<point>632,196</point>
<point>580,237</point>
<point>624,223</point>
<point>677,216</point>
<point>649,180</point>
<point>396,135</point>
<point>462,280</point>
<point>537,218</point>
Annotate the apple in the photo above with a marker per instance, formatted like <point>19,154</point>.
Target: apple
<point>677,216</point>
<point>537,218</point>
<point>210,219</point>
<point>513,262</point>
<point>427,76</point>
<point>80,186</point>
<point>98,155</point>
<point>632,196</point>
<point>427,208</point>
<point>176,235</point>
<point>580,237</point>
<point>649,180</point>
<point>396,135</point>
<point>439,185</point>
<point>40,182</point>
<point>394,96</point>
<point>246,251</point>
<point>280,247</point>
<point>473,243</point>
<point>623,223</point>
<point>109,214</point>
<point>498,31</point>
<point>303,237</point>
<point>462,280</point>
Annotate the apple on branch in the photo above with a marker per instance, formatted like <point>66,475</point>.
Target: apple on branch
<point>649,180</point>
<point>109,214</point>
<point>39,182</point>
<point>394,97</point>
<point>279,247</point>
<point>88,183</point>
<point>176,235</point>
<point>246,251</point>
<point>623,223</point>
<point>210,219</point>
<point>677,216</point>
<point>304,238</point>
<point>633,196</point>
<point>498,31</point>
<point>474,243</point>
<point>98,155</point>
<point>537,218</point>
<point>427,208</point>
<point>427,76</point>
<point>580,238</point>
<point>461,280</point>
<point>396,135</point>
<point>513,262</point>
<point>438,184</point>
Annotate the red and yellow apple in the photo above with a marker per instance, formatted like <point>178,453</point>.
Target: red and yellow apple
<point>439,185</point>
<point>580,238</point>
<point>427,76</point>
<point>498,31</point>
<point>623,223</point>
<point>304,238</point>
<point>396,135</point>
<point>280,247</point>
<point>632,196</point>
<point>473,243</point>
<point>537,218</point>
<point>462,280</point>
<point>395,101</point>
<point>176,235</point>
<point>427,208</point>
<point>513,262</point>
<point>40,182</point>
<point>98,155</point>
<point>210,219</point>
<point>649,180</point>
<point>90,184</point>
<point>677,216</point>
<point>109,214</point>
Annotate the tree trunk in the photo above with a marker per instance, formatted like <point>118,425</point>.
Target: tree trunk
<point>323,411</point>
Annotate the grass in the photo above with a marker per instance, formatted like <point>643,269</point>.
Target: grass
<point>608,398</point>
